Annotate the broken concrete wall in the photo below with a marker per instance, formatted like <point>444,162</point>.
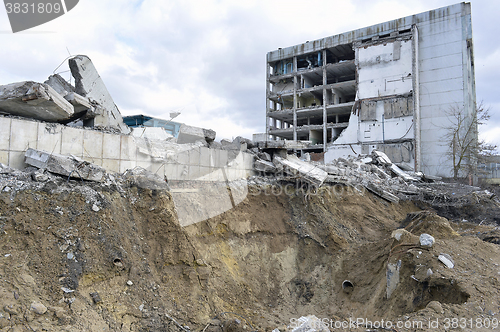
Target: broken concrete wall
<point>89,84</point>
<point>34,100</point>
<point>60,85</point>
<point>380,72</point>
<point>190,134</point>
<point>117,153</point>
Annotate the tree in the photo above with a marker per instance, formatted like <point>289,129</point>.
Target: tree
<point>466,150</point>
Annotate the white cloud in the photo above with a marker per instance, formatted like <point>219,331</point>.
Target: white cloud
<point>208,57</point>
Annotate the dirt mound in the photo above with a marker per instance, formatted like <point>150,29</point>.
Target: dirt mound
<point>114,258</point>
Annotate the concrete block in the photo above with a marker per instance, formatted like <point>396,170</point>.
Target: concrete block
<point>111,165</point>
<point>204,171</point>
<point>194,156</point>
<point>64,165</point>
<point>34,100</point>
<point>264,166</point>
<point>4,157</point>
<point>60,85</point>
<point>80,103</point>
<point>4,133</point>
<point>214,156</point>
<point>194,172</point>
<point>156,133</point>
<point>49,137</point>
<point>190,134</point>
<point>72,141</point>
<point>223,158</point>
<point>16,159</point>
<point>92,143</point>
<point>128,149</point>
<point>307,171</point>
<point>111,146</point>
<point>88,83</point>
<point>23,135</point>
<point>182,158</point>
<point>204,156</point>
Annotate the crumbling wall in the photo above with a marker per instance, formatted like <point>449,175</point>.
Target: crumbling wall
<point>117,153</point>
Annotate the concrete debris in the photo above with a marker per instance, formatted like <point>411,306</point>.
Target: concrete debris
<point>264,166</point>
<point>375,172</point>
<point>309,172</point>
<point>60,85</point>
<point>38,308</point>
<point>144,179</point>
<point>157,133</point>
<point>39,176</point>
<point>283,144</point>
<point>190,134</point>
<point>64,165</point>
<point>241,140</point>
<point>392,275</point>
<point>446,260</point>
<point>34,100</point>
<point>402,235</point>
<point>88,83</point>
<point>399,172</point>
<point>381,192</point>
<point>426,240</point>
<point>80,103</point>
<point>381,157</point>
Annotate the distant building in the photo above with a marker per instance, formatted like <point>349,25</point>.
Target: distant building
<point>384,87</point>
<point>135,121</point>
<point>490,170</point>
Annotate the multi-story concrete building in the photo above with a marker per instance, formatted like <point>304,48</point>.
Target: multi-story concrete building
<point>389,86</point>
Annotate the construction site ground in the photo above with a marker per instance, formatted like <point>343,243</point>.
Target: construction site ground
<point>112,256</point>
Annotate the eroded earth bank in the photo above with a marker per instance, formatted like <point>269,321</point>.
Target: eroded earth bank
<point>112,257</point>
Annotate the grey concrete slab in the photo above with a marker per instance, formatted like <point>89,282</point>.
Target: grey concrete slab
<point>34,100</point>
<point>88,83</point>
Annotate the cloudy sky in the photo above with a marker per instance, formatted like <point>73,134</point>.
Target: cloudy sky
<point>206,58</point>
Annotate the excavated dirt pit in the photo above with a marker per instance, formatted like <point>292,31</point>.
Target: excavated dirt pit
<point>102,259</point>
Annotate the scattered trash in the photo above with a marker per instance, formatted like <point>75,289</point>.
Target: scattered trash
<point>67,290</point>
<point>446,260</point>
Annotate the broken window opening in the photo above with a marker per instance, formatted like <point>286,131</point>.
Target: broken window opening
<point>340,53</point>
<point>309,61</point>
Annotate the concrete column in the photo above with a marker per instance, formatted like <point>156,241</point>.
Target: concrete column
<point>268,73</point>
<point>325,118</point>
<point>294,98</point>
<point>416,100</point>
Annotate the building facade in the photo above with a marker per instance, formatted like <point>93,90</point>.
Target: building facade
<point>390,87</point>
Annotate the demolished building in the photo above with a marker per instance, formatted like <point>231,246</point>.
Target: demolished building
<point>78,132</point>
<point>389,87</point>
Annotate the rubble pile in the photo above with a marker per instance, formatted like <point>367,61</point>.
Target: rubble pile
<point>377,174</point>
